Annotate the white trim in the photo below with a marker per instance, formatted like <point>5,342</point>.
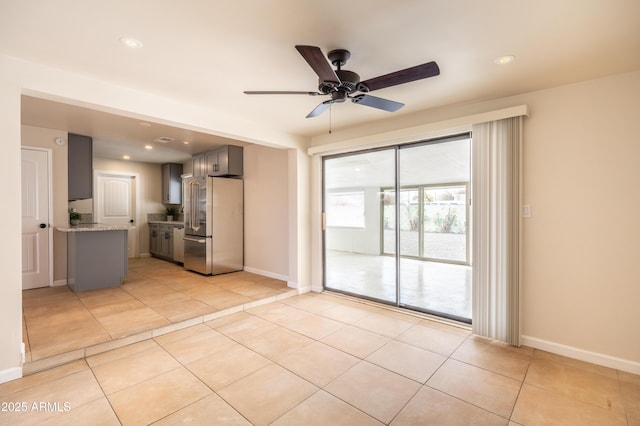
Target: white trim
<point>10,374</point>
<point>582,355</point>
<point>415,133</point>
<point>59,283</point>
<point>266,273</point>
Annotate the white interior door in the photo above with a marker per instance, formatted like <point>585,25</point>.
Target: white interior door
<point>116,204</point>
<point>36,234</point>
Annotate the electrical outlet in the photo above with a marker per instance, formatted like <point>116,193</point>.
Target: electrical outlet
<point>526,210</point>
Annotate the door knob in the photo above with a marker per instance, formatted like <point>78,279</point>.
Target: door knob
<point>43,225</point>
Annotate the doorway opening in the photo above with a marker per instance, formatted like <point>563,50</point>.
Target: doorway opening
<point>397,225</point>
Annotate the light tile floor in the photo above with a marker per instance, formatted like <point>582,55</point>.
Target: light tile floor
<point>60,325</point>
<point>436,287</point>
<point>323,359</point>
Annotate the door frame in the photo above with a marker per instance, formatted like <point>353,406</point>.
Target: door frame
<point>397,189</point>
<point>136,177</point>
<point>49,153</point>
<point>421,188</point>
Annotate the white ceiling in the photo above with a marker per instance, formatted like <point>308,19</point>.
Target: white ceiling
<point>208,52</point>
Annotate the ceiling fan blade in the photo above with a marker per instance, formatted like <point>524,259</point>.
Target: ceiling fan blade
<point>375,102</point>
<point>316,60</point>
<point>319,109</point>
<point>418,72</point>
<point>279,92</point>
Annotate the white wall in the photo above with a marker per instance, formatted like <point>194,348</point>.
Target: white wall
<point>266,211</point>
<point>581,261</point>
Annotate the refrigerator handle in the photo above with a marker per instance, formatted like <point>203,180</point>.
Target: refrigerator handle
<point>195,208</point>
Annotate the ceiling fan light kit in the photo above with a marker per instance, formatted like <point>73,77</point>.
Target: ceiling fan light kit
<point>341,84</point>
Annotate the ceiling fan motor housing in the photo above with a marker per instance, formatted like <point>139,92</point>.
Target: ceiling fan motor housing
<point>349,83</point>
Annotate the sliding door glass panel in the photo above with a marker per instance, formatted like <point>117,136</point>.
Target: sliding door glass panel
<point>445,223</point>
<point>435,275</point>
<point>389,221</point>
<point>409,212</point>
<point>357,214</point>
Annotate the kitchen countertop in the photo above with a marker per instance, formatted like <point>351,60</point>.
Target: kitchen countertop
<point>167,222</point>
<point>92,227</point>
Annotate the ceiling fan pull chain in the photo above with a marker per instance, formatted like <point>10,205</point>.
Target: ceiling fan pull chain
<point>330,109</point>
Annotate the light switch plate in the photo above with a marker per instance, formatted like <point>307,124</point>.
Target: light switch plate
<point>526,210</point>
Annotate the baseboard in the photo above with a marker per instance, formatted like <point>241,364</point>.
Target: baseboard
<point>266,273</point>
<point>10,374</point>
<point>582,355</point>
<point>144,255</point>
<point>59,283</point>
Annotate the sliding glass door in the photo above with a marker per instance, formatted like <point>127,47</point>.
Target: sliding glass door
<point>397,226</point>
<point>435,274</point>
<point>353,206</point>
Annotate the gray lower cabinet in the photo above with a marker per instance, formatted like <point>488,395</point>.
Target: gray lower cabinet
<point>96,259</point>
<point>161,240</point>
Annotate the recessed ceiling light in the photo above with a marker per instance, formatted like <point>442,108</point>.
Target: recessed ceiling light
<point>186,142</point>
<point>506,59</point>
<point>131,42</point>
<point>126,157</point>
<point>149,147</point>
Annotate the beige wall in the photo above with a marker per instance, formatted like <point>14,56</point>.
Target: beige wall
<point>266,217</point>
<point>581,257</point>
<point>149,191</point>
<point>10,218</point>
<point>581,261</point>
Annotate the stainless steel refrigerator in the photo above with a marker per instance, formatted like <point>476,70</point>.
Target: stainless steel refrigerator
<point>213,225</point>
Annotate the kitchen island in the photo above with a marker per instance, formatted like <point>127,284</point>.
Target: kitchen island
<point>96,255</point>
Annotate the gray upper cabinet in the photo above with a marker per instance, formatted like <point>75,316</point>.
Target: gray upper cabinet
<point>199,163</point>
<point>80,167</point>
<point>225,161</point>
<point>171,183</point>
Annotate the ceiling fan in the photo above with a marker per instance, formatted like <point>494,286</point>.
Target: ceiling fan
<point>341,84</point>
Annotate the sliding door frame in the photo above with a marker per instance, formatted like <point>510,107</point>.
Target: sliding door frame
<point>396,149</point>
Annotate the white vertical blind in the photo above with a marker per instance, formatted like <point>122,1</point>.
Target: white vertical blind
<point>496,159</point>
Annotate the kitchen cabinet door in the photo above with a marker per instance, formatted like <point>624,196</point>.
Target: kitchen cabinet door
<point>171,183</point>
<point>154,239</point>
<point>199,165</point>
<point>225,161</point>
<point>80,167</point>
<point>166,241</point>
